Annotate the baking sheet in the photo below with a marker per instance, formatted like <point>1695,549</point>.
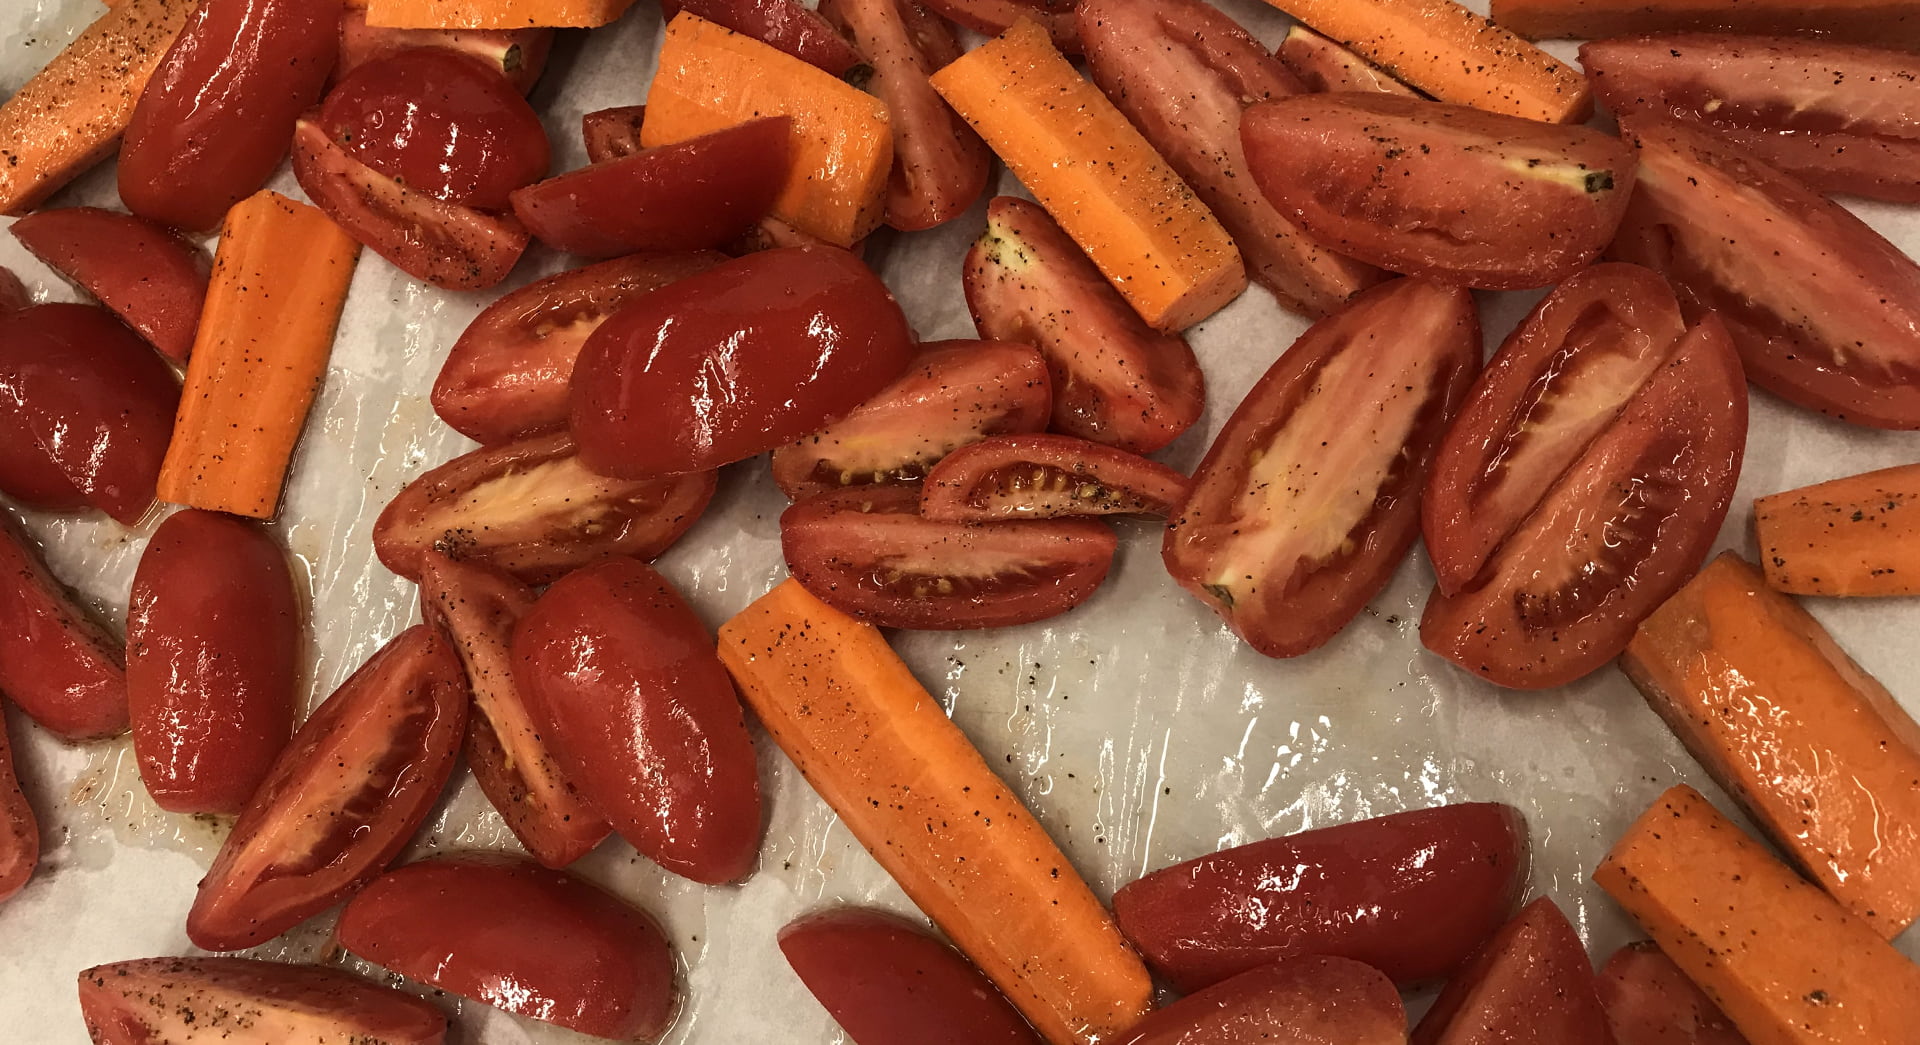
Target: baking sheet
<point>1136,727</point>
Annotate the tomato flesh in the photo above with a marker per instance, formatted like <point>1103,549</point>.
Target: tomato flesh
<point>993,17</point>
<point>149,277</point>
<point>1047,477</point>
<point>13,293</point>
<point>784,24</point>
<point>19,828</point>
<point>241,1001</point>
<point>1324,65</point>
<point>520,55</point>
<point>1531,982</point>
<point>612,133</point>
<point>1309,497</point>
<point>1649,1001</point>
<point>1316,998</point>
<point>56,663</point>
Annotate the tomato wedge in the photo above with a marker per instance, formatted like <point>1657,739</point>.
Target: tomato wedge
<point>1115,380</point>
<point>19,828</point>
<point>241,1001</point>
<point>1445,192</point>
<point>150,278</point>
<point>478,608</point>
<point>1556,384</point>
<point>1310,495</point>
<point>1047,477</point>
<point>13,293</point>
<point>955,393</point>
<point>1531,982</point>
<point>1649,1001</point>
<point>1825,312</point>
<point>1324,65</point>
<point>342,800</point>
<point>690,195</point>
<point>612,133</point>
<point>868,553</point>
<point>993,17</point>
<point>784,24</point>
<point>1841,117</point>
<point>520,55</point>
<point>1309,1000</point>
<point>519,937</point>
<point>533,509</point>
<point>56,663</point>
<point>1625,525</point>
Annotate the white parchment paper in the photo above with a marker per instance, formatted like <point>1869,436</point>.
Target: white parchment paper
<point>1136,727</point>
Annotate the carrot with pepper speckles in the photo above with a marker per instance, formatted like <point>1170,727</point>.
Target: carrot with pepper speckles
<point>490,14</point>
<point>1854,536</point>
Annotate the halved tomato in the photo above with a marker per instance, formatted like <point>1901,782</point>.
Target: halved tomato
<point>955,393</point>
<point>1825,312</point>
<point>1650,1001</point>
<point>19,828</point>
<point>612,133</point>
<point>1115,380</point>
<point>343,799</point>
<point>1324,65</point>
<point>152,279</point>
<point>1316,998</point>
<point>1046,477</point>
<point>13,293</point>
<point>1625,525</point>
<point>994,17</point>
<point>517,54</point>
<point>869,553</point>
<point>241,1001</point>
<point>1841,117</point>
<point>1310,495</point>
<point>771,234</point>
<point>533,509</point>
<point>56,663</point>
<point>784,24</point>
<point>1531,982</point>
<point>1446,192</point>
<point>1556,384</point>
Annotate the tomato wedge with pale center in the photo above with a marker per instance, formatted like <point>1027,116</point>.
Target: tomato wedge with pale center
<point>1047,477</point>
<point>1309,497</point>
<point>152,279</point>
<point>241,1001</point>
<point>1326,66</point>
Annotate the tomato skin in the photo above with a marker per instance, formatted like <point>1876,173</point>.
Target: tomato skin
<point>213,644</point>
<point>1649,1001</point>
<point>1047,477</point>
<point>150,278</point>
<point>1288,570</point>
<point>215,119</point>
<point>623,680</point>
<point>520,937</point>
<point>242,1001</point>
<point>955,392</point>
<point>506,377</point>
<point>1323,65</point>
<point>56,663</point>
<point>1583,351</point>
<point>886,982</point>
<point>786,25</point>
<point>1309,999</point>
<point>993,17</point>
<point>19,828</point>
<point>13,294</point>
<point>520,55</point>
<point>804,335</point>
<point>1411,894</point>
<point>1444,192</point>
<point>1824,311</point>
<point>1531,982</point>
<point>342,800</point>
<point>612,133</point>
<point>690,195</point>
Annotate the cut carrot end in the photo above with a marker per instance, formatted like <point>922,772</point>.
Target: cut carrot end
<point>491,14</point>
<point>1854,536</point>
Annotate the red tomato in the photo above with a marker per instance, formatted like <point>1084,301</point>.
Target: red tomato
<point>517,54</point>
<point>448,245</point>
<point>1446,192</point>
<point>342,800</point>
<point>784,24</point>
<point>13,295</point>
<point>85,407</point>
<point>1841,117</point>
<point>213,655</point>
<point>1649,1001</point>
<point>956,392</point>
<point>612,133</point>
<point>690,195</point>
<point>506,377</point>
<point>1310,495</point>
<point>1308,1000</point>
<point>1411,894</point>
<point>440,123</point>
<point>520,937</point>
<point>994,17</point>
<point>240,1001</point>
<point>478,608</point>
<point>1626,524</point>
<point>533,509</point>
<point>1531,982</point>
<point>940,165</point>
<point>868,552</point>
<point>1045,477</point>
<point>150,278</point>
<point>886,982</point>
<point>1183,71</point>
<point>735,361</point>
<point>56,663</point>
<point>771,234</point>
<point>214,120</point>
<point>1825,312</point>
<point>1323,65</point>
<point>623,680</point>
<point>19,829</point>
<point>1115,380</point>
<point>1556,384</point>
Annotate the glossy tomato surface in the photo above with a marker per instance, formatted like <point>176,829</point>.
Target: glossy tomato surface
<point>13,293</point>
<point>1411,894</point>
<point>1323,65</point>
<point>1446,192</point>
<point>1557,383</point>
<point>870,554</point>
<point>623,682</point>
<point>19,828</point>
<point>342,799</point>
<point>1825,312</point>
<point>152,279</point>
<point>1626,524</point>
<point>56,663</point>
<point>790,26</point>
<point>993,17</point>
<point>886,982</point>
<point>1046,477</point>
<point>1310,495</point>
<point>1115,380</point>
<point>521,937</point>
<point>533,509</point>
<point>734,361</point>
<point>954,393</point>
<point>1649,1001</point>
<point>520,55</point>
<point>1311,1000</point>
<point>1531,982</point>
<point>241,1001</point>
<point>214,120</point>
<point>213,646</point>
<point>612,133</point>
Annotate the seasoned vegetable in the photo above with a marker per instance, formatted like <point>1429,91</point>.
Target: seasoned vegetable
<point>1854,536</point>
<point>56,663</point>
<point>1326,66</point>
<point>1299,1001</point>
<point>1047,477</point>
<point>153,280</point>
<point>1888,23</point>
<point>492,14</point>
<point>19,828</point>
<point>240,1001</point>
<point>1530,983</point>
<point>1649,1001</point>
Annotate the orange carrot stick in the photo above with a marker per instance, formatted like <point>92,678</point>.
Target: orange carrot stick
<point>1889,23</point>
<point>1854,536</point>
<point>491,14</point>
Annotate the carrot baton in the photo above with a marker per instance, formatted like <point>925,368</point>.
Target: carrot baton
<point>1854,536</point>
<point>490,14</point>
